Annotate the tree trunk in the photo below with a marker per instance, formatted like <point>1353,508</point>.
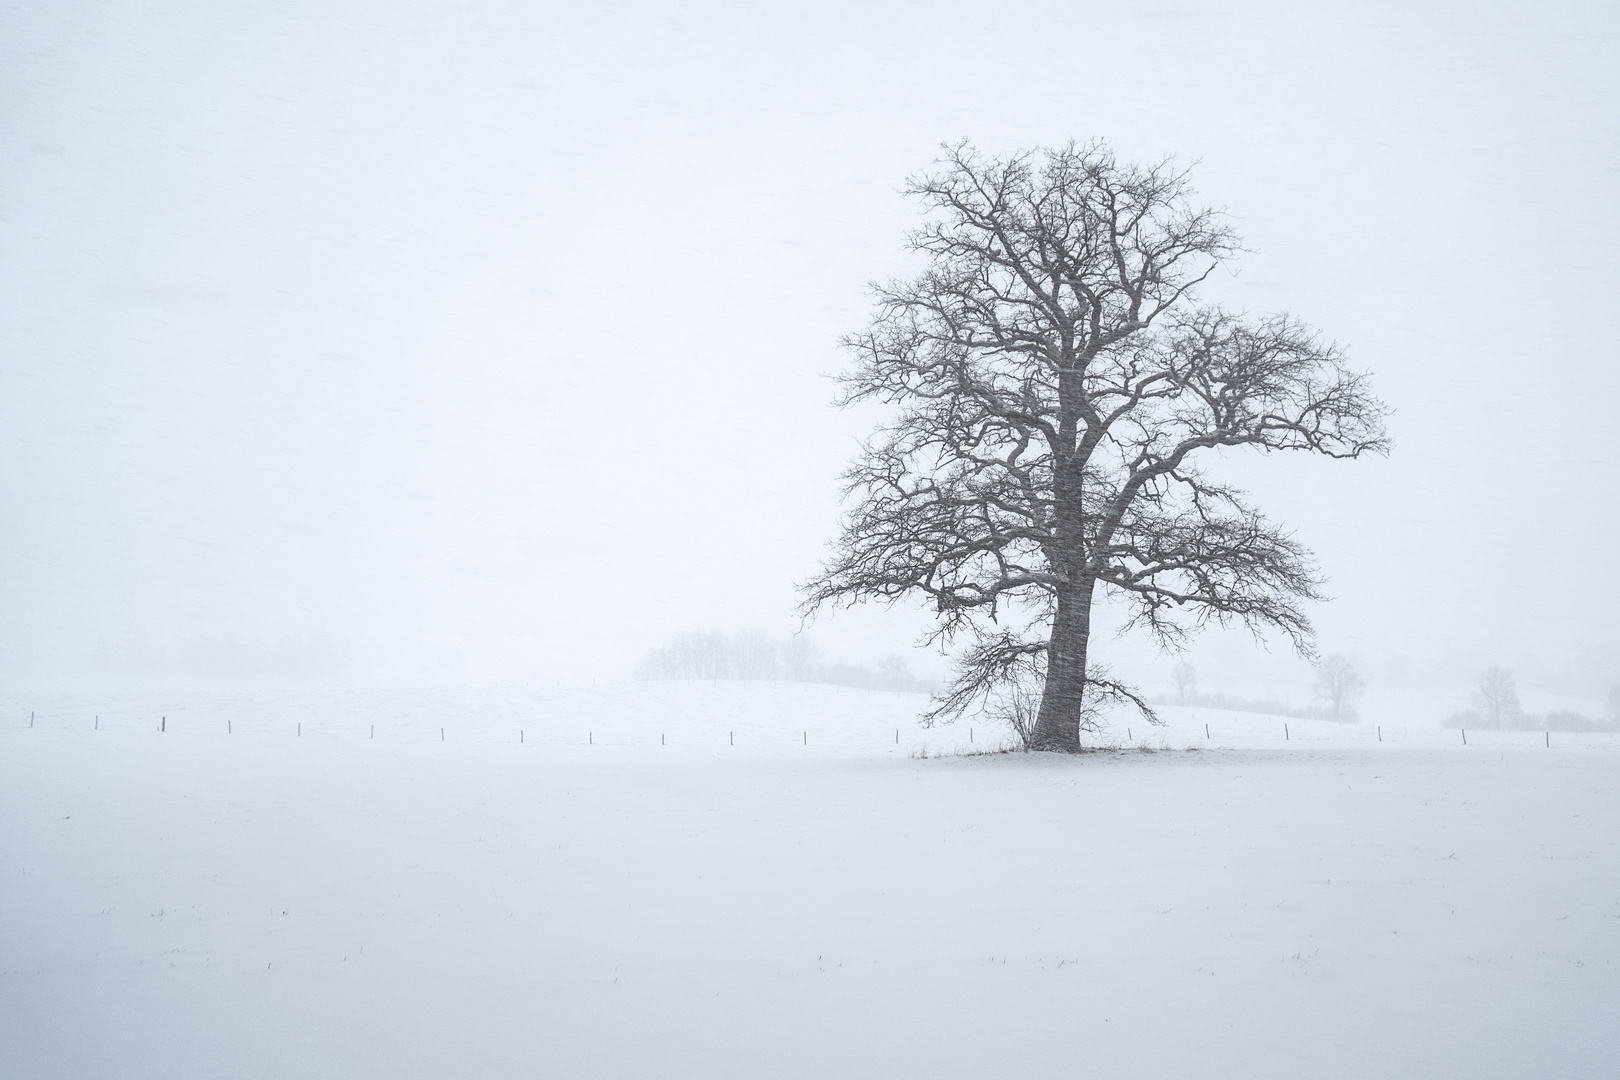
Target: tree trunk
<point>1057,725</point>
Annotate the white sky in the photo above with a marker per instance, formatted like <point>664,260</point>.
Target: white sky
<point>486,342</point>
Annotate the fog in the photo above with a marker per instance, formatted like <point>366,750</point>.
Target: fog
<point>407,343</point>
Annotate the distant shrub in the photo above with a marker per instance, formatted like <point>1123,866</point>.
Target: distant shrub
<point>1574,721</point>
<point>1558,720</point>
<point>1263,706</point>
<point>1017,704</point>
<point>751,654</point>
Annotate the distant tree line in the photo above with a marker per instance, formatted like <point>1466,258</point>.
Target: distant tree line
<point>753,654</point>
<point>1496,707</point>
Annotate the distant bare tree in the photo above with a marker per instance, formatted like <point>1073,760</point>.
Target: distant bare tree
<point>753,655</point>
<point>1496,699</point>
<point>1186,682</point>
<point>798,657</point>
<point>1339,684</point>
<point>707,654</point>
<point>1056,384</point>
<point>894,673</point>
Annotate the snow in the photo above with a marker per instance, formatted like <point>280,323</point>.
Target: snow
<point>815,900</point>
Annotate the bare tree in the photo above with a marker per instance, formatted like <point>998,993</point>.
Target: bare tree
<point>1186,682</point>
<point>753,655</point>
<point>894,673</point>
<point>704,654</point>
<point>798,657</point>
<point>690,655</point>
<point>1056,384</point>
<point>1339,684</point>
<point>1496,699</point>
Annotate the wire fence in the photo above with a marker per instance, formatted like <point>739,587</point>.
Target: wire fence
<point>718,716</point>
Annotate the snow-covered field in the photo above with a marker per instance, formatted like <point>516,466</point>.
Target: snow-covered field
<point>741,880</point>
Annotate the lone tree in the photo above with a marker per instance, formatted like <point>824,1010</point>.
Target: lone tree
<point>1497,700</point>
<point>1339,684</point>
<point>1186,682</point>
<point>1056,383</point>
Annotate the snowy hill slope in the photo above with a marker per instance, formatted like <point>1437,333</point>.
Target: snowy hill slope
<point>269,904</point>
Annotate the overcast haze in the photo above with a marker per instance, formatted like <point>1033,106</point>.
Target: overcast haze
<point>405,342</point>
